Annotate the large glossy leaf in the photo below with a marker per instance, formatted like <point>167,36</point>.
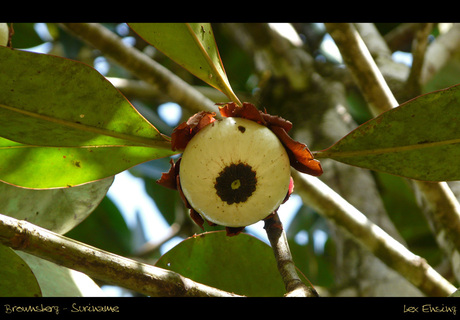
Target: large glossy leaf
<point>64,124</point>
<point>191,45</point>
<point>58,210</point>
<point>242,264</point>
<point>105,229</point>
<point>420,139</point>
<point>16,278</point>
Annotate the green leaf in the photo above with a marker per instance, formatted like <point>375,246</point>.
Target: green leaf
<point>191,45</point>
<point>105,229</point>
<point>25,35</point>
<point>58,210</point>
<point>63,123</point>
<point>420,139</point>
<point>242,264</point>
<point>58,281</point>
<point>52,101</point>
<point>16,278</point>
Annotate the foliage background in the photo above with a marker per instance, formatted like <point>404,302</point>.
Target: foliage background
<point>326,257</point>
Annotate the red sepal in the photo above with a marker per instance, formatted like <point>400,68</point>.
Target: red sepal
<point>169,179</point>
<point>233,231</point>
<point>247,111</point>
<point>197,218</point>
<point>185,131</point>
<point>299,155</point>
<point>290,190</point>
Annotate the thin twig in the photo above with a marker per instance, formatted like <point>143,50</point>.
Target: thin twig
<point>401,37</point>
<point>413,82</point>
<point>151,247</point>
<point>99,264</point>
<point>277,237</point>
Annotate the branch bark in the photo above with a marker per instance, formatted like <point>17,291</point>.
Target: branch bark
<point>363,68</point>
<point>99,264</point>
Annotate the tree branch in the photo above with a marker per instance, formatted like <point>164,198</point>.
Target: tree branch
<point>440,52</point>
<point>401,37</point>
<point>373,40</point>
<point>362,67</point>
<point>99,264</point>
<point>415,269</point>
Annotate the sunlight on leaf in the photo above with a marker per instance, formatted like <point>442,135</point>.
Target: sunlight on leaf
<point>53,167</point>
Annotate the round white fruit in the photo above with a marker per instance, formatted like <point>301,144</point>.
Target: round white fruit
<point>235,172</point>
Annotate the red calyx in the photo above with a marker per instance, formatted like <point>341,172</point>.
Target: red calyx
<point>184,132</point>
<point>300,156</point>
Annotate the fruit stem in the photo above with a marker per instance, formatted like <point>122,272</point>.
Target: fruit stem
<point>286,266</point>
